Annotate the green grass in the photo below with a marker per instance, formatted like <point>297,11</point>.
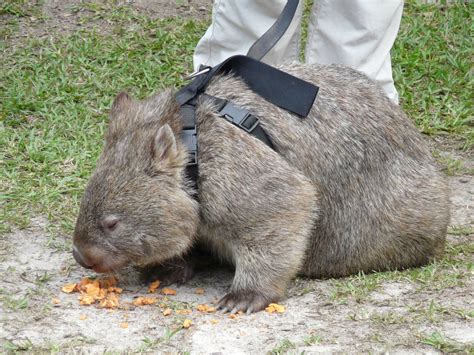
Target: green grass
<point>55,93</point>
<point>432,66</point>
<point>55,96</point>
<point>283,347</point>
<point>439,342</point>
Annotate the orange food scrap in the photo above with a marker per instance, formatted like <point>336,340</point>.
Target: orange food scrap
<point>232,316</point>
<point>199,291</point>
<point>81,286</point>
<point>86,300</point>
<point>153,286</point>
<point>69,288</point>
<point>214,321</point>
<point>187,323</point>
<point>144,301</point>
<point>111,301</point>
<point>205,308</point>
<point>92,290</point>
<point>82,317</point>
<point>167,312</point>
<point>110,281</point>
<point>114,289</point>
<point>56,301</point>
<point>168,291</point>
<point>124,325</point>
<point>184,311</point>
<point>275,307</point>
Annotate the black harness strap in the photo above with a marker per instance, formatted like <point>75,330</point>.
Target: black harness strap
<point>240,117</point>
<point>275,86</point>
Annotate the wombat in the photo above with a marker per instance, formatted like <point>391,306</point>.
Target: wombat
<point>350,188</point>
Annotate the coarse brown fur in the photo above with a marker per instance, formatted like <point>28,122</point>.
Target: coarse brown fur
<point>350,188</point>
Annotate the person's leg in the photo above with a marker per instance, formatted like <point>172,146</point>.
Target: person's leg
<point>237,24</point>
<point>356,33</point>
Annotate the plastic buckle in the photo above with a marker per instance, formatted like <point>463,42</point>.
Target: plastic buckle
<point>190,141</point>
<point>202,69</point>
<point>239,116</point>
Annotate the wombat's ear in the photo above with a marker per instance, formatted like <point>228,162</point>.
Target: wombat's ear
<point>122,101</point>
<point>165,151</point>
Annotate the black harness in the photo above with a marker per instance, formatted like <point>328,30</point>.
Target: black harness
<point>277,87</point>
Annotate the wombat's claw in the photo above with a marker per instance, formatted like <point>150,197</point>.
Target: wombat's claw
<point>248,302</point>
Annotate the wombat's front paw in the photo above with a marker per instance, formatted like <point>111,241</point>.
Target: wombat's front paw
<point>178,272</point>
<point>244,301</point>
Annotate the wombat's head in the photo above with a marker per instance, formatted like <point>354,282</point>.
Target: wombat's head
<point>137,208</point>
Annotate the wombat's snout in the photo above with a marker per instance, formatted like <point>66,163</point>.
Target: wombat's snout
<point>79,258</point>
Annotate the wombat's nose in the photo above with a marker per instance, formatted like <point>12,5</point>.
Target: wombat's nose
<point>77,255</point>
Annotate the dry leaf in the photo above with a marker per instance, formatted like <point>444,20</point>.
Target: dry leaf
<point>69,288</point>
<point>187,323</point>
<point>274,307</point>
<point>168,291</point>
<point>167,312</point>
<point>153,286</point>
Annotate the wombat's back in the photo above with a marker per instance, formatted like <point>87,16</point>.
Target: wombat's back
<point>384,204</point>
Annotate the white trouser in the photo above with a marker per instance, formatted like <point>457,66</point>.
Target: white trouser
<point>356,33</point>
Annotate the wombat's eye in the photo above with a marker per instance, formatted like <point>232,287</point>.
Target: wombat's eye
<point>109,223</point>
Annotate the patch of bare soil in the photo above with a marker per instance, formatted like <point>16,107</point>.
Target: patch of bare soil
<point>396,316</point>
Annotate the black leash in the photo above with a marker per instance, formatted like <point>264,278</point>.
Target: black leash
<point>268,40</point>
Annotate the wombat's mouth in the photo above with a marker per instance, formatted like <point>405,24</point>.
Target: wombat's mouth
<point>100,262</point>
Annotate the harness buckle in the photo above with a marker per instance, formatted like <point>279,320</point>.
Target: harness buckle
<point>202,69</point>
<point>239,116</point>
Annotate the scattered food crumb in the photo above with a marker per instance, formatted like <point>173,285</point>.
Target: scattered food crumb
<point>86,300</point>
<point>144,301</point>
<point>168,291</point>
<point>214,321</point>
<point>167,312</point>
<point>115,289</point>
<point>124,325</point>
<point>153,286</point>
<point>183,311</point>
<point>275,307</point>
<point>199,291</point>
<point>205,308</point>
<point>82,317</point>
<point>232,316</point>
<point>56,301</point>
<point>69,288</point>
<point>187,323</point>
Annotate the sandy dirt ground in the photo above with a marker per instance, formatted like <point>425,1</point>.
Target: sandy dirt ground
<point>398,314</point>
